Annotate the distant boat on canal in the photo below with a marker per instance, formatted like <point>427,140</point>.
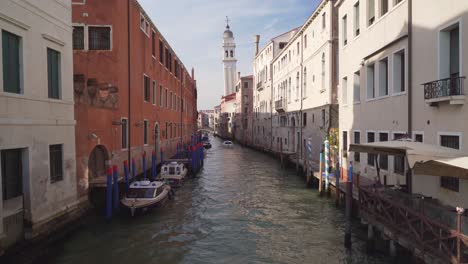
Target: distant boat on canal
<point>228,143</point>
<point>174,172</point>
<point>145,195</point>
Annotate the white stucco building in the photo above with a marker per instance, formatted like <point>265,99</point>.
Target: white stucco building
<point>304,84</point>
<point>37,126</point>
<point>262,95</point>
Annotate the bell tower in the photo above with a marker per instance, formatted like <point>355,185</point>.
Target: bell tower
<point>229,61</point>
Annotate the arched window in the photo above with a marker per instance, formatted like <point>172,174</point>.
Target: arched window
<point>305,82</point>
<point>289,93</point>
<point>232,54</point>
<point>297,85</point>
<point>323,71</point>
<point>227,54</point>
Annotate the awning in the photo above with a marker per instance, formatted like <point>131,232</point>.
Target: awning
<point>424,158</point>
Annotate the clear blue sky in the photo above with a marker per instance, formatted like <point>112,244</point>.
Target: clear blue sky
<point>194,28</point>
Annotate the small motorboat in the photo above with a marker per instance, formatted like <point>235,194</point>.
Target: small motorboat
<point>207,145</point>
<point>173,172</point>
<point>228,143</point>
<point>144,195</point>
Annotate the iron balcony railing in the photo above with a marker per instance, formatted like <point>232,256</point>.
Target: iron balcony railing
<point>259,85</point>
<point>443,88</point>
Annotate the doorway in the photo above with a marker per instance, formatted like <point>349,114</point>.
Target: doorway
<point>97,162</point>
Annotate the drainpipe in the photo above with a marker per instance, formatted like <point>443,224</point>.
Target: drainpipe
<point>129,125</point>
<point>301,98</point>
<point>409,174</point>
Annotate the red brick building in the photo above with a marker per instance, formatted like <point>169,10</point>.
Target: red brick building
<point>132,93</point>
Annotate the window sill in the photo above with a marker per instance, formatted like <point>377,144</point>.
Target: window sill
<point>399,93</point>
<point>357,102</point>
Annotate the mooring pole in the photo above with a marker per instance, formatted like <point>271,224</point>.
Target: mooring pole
<point>153,165</point>
<point>337,185</point>
<point>320,174</point>
<point>327,166</point>
<point>460,212</point>
<point>144,165</point>
<point>349,204</point>
<point>109,194</point>
<point>162,155</point>
<point>133,169</point>
<point>116,187</point>
<point>126,174</point>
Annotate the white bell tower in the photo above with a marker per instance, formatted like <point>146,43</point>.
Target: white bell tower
<point>229,61</point>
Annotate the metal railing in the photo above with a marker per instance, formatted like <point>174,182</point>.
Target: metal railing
<point>444,87</point>
<point>259,85</point>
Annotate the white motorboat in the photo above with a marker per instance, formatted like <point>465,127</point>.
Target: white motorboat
<point>228,143</point>
<point>174,172</point>
<point>144,195</point>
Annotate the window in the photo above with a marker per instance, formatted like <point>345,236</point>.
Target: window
<point>153,44</point>
<point>226,54</point>
<point>160,95</point>
<point>370,81</point>
<point>56,162</point>
<point>323,118</point>
<point>161,52</point>
<point>305,41</point>
<point>78,37</point>
<point>450,183</point>
<point>170,101</point>
<point>144,25</point>
<point>324,19</point>
<point>154,92</point>
<point>370,12</point>
<point>344,90</point>
<point>357,140</point>
<point>399,161</point>
<point>167,103</point>
<point>11,62</point>
<point>305,83</point>
<point>282,45</point>
<point>145,132</point>
<point>232,54</point>
<point>345,143</point>
<point>370,157</point>
<point>246,85</point>
<point>297,85</point>
<point>356,20</point>
<point>124,132</point>
<point>53,73</point>
<point>383,7</point>
<point>146,88</point>
<point>99,38</point>
<point>383,77</point>
<point>12,173</point>
<point>383,159</point>
<point>298,49</point>
<point>449,52</point>
<point>304,119</point>
<point>357,87</point>
<point>345,30</point>
<point>399,72</point>
<point>323,71</point>
<point>419,138</point>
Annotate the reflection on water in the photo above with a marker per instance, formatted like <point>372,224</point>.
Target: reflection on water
<point>242,208</point>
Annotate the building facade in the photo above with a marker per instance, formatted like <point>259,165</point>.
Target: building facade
<point>132,93</point>
<point>262,94</point>
<point>37,126</point>
<point>304,85</point>
<point>243,128</point>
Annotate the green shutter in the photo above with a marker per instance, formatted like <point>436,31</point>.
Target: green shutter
<point>11,62</point>
<point>53,73</point>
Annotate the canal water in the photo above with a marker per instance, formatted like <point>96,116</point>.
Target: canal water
<point>241,208</point>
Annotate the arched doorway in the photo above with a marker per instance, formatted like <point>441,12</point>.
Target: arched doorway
<point>156,138</point>
<point>97,162</point>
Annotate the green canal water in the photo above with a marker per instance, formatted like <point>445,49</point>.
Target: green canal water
<point>242,208</point>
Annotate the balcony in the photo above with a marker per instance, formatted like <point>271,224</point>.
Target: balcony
<point>280,105</point>
<point>445,90</point>
<point>260,86</point>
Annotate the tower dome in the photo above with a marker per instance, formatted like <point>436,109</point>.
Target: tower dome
<point>228,33</point>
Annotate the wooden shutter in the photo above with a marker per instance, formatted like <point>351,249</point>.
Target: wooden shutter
<point>11,62</point>
<point>53,73</point>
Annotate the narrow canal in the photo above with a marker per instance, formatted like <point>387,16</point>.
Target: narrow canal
<point>242,208</point>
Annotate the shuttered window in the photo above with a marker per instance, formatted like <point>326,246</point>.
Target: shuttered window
<point>12,173</point>
<point>53,73</point>
<point>11,62</point>
<point>56,163</point>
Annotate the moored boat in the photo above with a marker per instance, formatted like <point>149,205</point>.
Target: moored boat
<point>144,195</point>
<point>174,172</point>
<point>207,145</point>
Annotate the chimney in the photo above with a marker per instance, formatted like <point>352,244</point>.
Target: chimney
<point>193,73</point>
<point>257,41</point>
<point>238,76</point>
